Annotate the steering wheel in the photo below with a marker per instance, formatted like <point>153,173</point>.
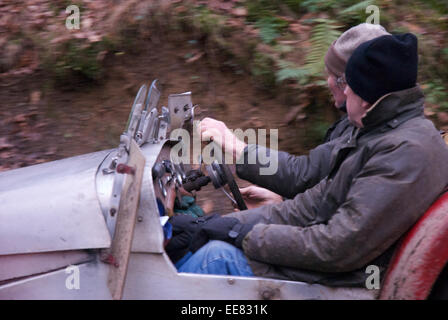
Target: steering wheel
<point>221,175</point>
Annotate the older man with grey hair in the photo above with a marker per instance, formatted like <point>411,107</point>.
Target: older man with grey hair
<point>335,62</point>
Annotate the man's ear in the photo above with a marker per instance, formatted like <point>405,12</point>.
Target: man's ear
<point>365,105</point>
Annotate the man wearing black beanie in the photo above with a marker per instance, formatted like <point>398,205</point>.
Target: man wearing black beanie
<point>377,67</point>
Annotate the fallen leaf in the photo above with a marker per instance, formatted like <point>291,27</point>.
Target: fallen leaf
<point>429,113</point>
<point>292,114</point>
<point>29,135</point>
<point>94,38</point>
<point>234,22</point>
<point>220,5</point>
<point>51,151</point>
<point>6,155</point>
<point>100,56</point>
<point>296,27</point>
<point>443,117</point>
<point>180,9</point>
<point>239,12</point>
<point>35,97</point>
<point>255,122</point>
<point>20,118</point>
<point>194,58</point>
<point>4,144</point>
<point>87,23</point>
<point>288,42</point>
<point>413,27</point>
<point>37,161</point>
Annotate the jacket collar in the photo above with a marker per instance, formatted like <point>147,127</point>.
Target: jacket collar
<point>394,108</point>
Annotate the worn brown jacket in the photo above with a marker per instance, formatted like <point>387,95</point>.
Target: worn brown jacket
<point>351,198</point>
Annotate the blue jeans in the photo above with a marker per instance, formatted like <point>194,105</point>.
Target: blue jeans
<point>216,257</point>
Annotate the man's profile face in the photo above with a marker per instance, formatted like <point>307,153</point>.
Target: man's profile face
<point>356,107</point>
<point>336,89</point>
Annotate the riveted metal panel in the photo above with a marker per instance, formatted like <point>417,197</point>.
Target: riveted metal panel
<point>148,234</point>
<point>53,285</point>
<point>22,265</point>
<point>152,276</point>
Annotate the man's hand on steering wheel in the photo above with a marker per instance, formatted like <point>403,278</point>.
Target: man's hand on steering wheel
<point>211,129</point>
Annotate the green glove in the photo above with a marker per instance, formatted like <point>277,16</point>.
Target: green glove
<point>188,206</point>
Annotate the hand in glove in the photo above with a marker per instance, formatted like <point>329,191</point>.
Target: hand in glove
<point>226,229</point>
<point>184,228</point>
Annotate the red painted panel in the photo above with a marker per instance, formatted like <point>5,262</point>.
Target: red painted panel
<point>420,257</point>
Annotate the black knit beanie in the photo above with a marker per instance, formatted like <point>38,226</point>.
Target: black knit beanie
<point>383,65</point>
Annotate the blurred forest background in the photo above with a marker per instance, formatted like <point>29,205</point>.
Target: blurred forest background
<point>252,64</point>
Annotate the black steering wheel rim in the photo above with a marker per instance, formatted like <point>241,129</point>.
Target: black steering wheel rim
<point>233,186</point>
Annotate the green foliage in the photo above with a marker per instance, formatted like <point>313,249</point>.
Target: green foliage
<point>355,13</point>
<point>440,6</point>
<point>360,6</point>
<point>436,93</point>
<point>294,5</point>
<point>289,71</point>
<point>323,34</point>
<point>445,52</point>
<point>431,58</point>
<point>349,11</point>
<point>319,130</point>
<point>61,5</point>
<point>443,61</point>
<point>259,9</point>
<point>263,70</point>
<point>283,49</point>
<point>319,5</point>
<point>315,132</point>
<point>76,58</point>
<point>206,21</point>
<point>270,28</point>
<point>210,25</point>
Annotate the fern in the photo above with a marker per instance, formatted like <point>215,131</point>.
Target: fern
<point>318,5</point>
<point>268,33</point>
<point>356,8</point>
<point>322,36</point>
<point>270,28</point>
<point>289,71</point>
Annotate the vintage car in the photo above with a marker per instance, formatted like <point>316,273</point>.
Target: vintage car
<point>90,226</point>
